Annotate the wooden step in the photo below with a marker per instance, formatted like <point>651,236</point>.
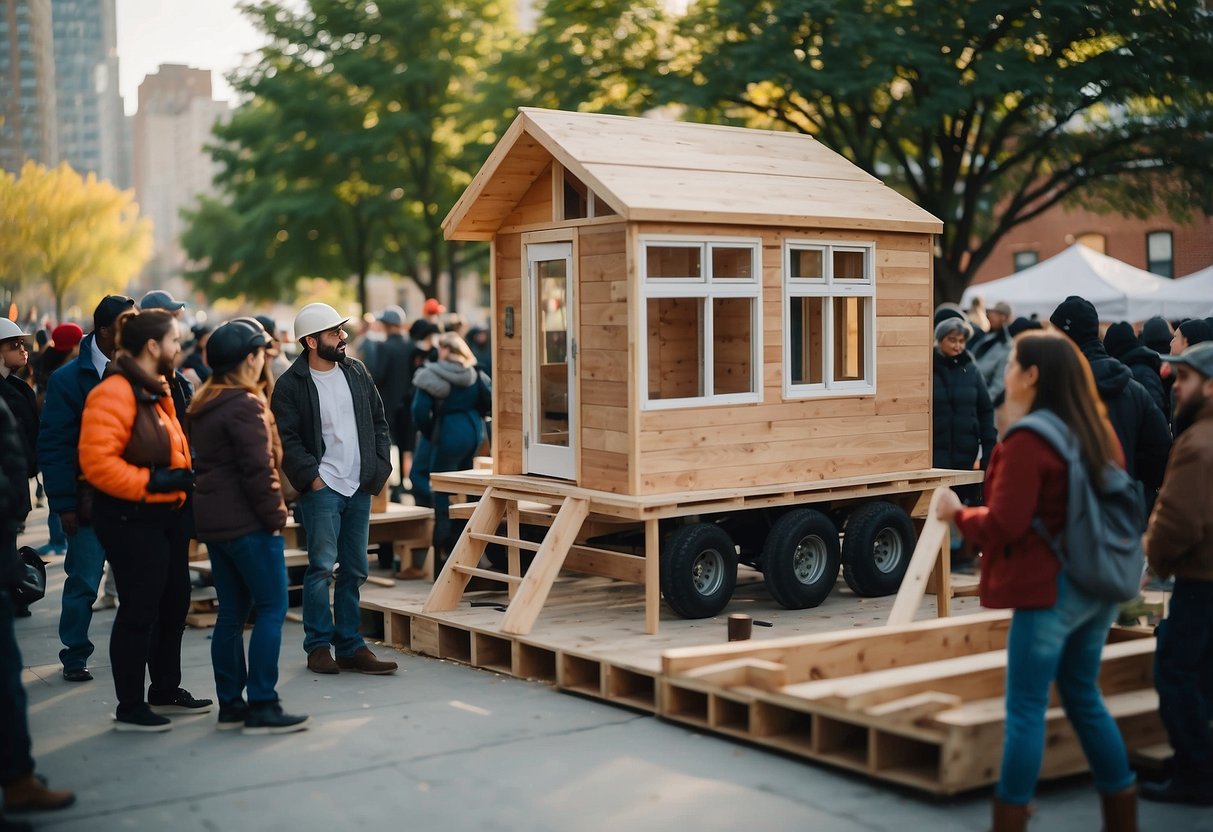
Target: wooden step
<point>487,573</point>
<point>505,541</point>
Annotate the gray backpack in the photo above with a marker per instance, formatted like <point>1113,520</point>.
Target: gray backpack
<point>1100,547</point>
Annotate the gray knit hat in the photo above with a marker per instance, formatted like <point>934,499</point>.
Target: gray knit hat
<point>949,325</point>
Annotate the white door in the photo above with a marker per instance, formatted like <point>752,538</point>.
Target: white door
<point>550,350</point>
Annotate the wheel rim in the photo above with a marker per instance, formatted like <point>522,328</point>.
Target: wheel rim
<point>809,560</point>
<point>707,572</point>
<point>887,550</point>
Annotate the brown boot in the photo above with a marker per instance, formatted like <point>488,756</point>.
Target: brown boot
<point>1009,817</point>
<point>364,661</point>
<point>30,794</point>
<point>320,660</point>
<point>1120,810</point>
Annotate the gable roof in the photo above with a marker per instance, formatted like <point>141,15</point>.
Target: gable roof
<point>656,170</point>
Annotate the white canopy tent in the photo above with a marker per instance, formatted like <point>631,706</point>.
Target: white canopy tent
<point>1120,292</point>
<point>1189,297</point>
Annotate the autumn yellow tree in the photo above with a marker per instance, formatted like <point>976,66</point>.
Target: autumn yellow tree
<point>80,236</point>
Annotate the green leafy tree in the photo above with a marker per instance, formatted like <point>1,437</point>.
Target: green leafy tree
<point>80,236</point>
<point>365,120</point>
<point>985,112</point>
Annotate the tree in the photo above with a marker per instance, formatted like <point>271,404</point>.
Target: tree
<point>363,122</point>
<point>81,236</point>
<point>985,112</point>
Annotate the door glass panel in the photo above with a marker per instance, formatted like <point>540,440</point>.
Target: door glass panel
<point>552,344</point>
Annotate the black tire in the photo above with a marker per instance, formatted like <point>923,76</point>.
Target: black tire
<point>698,570</point>
<point>876,548</point>
<point>801,558</point>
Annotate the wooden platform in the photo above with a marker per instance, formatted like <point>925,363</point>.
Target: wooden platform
<point>830,685</point>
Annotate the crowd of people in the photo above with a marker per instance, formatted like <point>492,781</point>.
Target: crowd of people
<point>1140,401</point>
<point>141,445</point>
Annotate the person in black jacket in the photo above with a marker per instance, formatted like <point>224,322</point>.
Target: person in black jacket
<point>1143,362</point>
<point>20,398</point>
<point>23,789</point>
<point>1140,426</point>
<point>962,415</point>
<point>394,381</point>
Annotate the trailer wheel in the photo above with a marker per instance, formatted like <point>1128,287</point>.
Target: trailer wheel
<point>698,570</point>
<point>876,548</point>
<point>801,558</point>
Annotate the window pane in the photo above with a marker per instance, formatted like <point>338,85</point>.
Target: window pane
<point>1158,253</point>
<point>602,208</point>
<point>808,263</point>
<point>576,198</point>
<point>1025,259</point>
<point>732,345</point>
<point>553,428</point>
<point>675,347</point>
<point>850,339</point>
<point>674,261</point>
<point>848,265</point>
<point>808,340</point>
<point>730,262</point>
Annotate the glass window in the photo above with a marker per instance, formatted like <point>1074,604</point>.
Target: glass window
<point>576,198</point>
<point>702,321</point>
<point>830,302</point>
<point>1160,258</point>
<point>1026,259</point>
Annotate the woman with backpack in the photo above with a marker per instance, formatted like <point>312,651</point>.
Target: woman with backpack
<point>449,402</point>
<point>1057,630</point>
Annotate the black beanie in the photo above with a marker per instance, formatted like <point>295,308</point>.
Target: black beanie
<point>1023,325</point>
<point>948,310</point>
<point>1077,318</point>
<point>1119,339</point>
<point>1156,334</point>
<point>1196,331</point>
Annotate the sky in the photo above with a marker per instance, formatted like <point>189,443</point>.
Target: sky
<point>207,34</point>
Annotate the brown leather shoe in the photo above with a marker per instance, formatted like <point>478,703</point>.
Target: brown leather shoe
<point>1120,810</point>
<point>320,660</point>
<point>411,573</point>
<point>30,794</point>
<point>364,661</point>
<point>1010,818</point>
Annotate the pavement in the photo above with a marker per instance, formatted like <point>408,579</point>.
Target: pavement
<point>441,746</point>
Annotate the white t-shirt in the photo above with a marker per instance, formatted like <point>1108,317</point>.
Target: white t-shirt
<point>341,466</point>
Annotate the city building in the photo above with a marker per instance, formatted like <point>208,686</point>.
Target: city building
<point>86,81</point>
<point>171,165</point>
<point>1158,244</point>
<point>27,84</point>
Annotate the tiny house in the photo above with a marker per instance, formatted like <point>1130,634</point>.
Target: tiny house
<point>688,310</point>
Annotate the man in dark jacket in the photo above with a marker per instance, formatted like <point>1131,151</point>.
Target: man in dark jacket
<point>1122,344</point>
<point>336,453</point>
<point>178,384</point>
<point>58,438</point>
<point>1140,426</point>
<point>394,380</point>
<point>23,790</point>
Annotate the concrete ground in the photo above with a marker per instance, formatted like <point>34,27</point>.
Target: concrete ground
<point>444,746</point>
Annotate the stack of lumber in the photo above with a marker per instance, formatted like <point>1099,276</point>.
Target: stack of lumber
<point>920,705</point>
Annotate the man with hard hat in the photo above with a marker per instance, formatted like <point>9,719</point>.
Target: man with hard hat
<point>336,453</point>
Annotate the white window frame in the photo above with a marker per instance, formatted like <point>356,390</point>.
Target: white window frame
<point>828,288</point>
<point>705,288</point>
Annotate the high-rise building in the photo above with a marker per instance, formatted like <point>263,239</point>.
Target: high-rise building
<point>171,165</point>
<point>27,84</point>
<point>86,81</point>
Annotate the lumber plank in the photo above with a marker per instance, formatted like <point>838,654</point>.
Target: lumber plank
<point>932,547</point>
<point>526,605</point>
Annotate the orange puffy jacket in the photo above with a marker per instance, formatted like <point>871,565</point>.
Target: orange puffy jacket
<point>105,432</point>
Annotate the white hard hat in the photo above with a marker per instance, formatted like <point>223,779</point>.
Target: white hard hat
<point>316,317</point>
<point>8,329</point>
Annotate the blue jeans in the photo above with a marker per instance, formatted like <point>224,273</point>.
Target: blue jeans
<point>249,573</point>
<point>337,531</point>
<point>54,527</point>
<point>419,474</point>
<point>1062,644</point>
<point>1181,669</point>
<point>83,566</point>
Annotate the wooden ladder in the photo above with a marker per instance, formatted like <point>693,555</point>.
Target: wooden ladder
<point>527,592</point>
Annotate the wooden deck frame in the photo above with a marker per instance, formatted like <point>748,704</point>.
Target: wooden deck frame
<point>514,497</point>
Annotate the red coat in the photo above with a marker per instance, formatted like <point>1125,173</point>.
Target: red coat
<point>1026,478</point>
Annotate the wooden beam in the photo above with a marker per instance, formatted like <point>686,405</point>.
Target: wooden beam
<point>933,545</point>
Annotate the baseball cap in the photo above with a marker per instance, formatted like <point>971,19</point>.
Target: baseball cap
<point>110,308</point>
<point>1002,308</point>
<point>393,316</point>
<point>1198,356</point>
<point>66,336</point>
<point>159,299</point>
<point>432,307</point>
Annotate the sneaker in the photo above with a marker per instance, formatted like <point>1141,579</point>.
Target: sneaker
<point>180,702</point>
<point>232,716</point>
<point>77,674</point>
<point>320,660</point>
<point>105,601</point>
<point>364,661</point>
<point>141,720</point>
<point>270,719</point>
<point>1192,792</point>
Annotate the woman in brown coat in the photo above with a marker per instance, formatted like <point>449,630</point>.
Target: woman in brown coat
<point>240,513</point>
